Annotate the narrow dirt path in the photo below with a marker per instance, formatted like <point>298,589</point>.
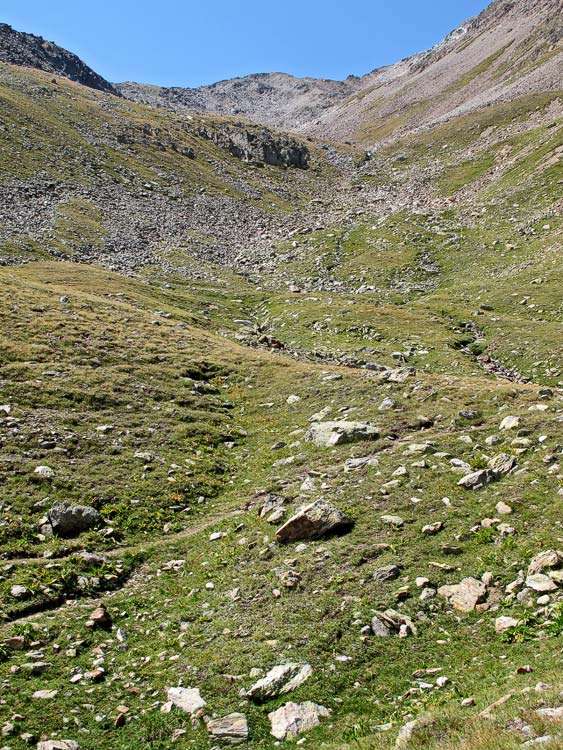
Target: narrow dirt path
<point>140,546</point>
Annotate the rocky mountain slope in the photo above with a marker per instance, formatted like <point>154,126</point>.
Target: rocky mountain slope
<point>280,427</point>
<point>32,51</point>
<point>511,48</point>
<point>274,99</point>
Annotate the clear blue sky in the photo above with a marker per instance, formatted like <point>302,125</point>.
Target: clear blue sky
<point>191,42</point>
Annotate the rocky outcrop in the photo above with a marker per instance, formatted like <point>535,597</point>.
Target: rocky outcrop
<point>258,146</point>
<point>32,51</point>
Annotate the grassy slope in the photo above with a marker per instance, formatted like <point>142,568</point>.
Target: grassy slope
<point>159,361</point>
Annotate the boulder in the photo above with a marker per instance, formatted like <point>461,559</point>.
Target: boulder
<point>58,745</point>
<point>291,719</point>
<point>551,714</point>
<point>279,680</point>
<point>395,521</point>
<point>408,730</point>
<point>464,596</point>
<point>387,573</point>
<point>70,520</point>
<point>318,519</point>
<point>232,729</point>
<point>477,479</point>
<point>328,434</point>
<point>502,464</point>
<point>43,472</point>
<point>509,423</point>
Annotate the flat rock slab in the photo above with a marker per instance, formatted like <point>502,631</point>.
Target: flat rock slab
<point>316,520</point>
<point>329,434</point>
<point>291,719</point>
<point>232,729</point>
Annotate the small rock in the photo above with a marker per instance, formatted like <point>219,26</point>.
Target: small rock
<point>188,699</point>
<point>329,434</point>
<point>232,729</point>
<point>291,719</point>
<point>504,623</point>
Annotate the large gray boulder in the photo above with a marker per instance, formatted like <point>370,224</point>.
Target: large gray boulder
<point>314,521</point>
<point>70,520</point>
<point>328,434</point>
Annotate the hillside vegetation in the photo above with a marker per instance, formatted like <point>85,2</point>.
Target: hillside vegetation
<point>279,404</point>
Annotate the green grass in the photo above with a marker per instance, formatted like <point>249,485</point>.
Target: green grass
<point>161,360</point>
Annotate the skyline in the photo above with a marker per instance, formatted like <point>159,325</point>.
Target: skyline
<point>208,44</point>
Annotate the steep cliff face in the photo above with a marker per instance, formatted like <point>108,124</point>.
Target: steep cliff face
<point>260,146</point>
<point>32,51</point>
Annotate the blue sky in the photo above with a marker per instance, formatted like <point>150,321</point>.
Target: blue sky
<point>189,43</point>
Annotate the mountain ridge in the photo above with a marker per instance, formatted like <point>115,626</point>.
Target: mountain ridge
<point>30,50</point>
